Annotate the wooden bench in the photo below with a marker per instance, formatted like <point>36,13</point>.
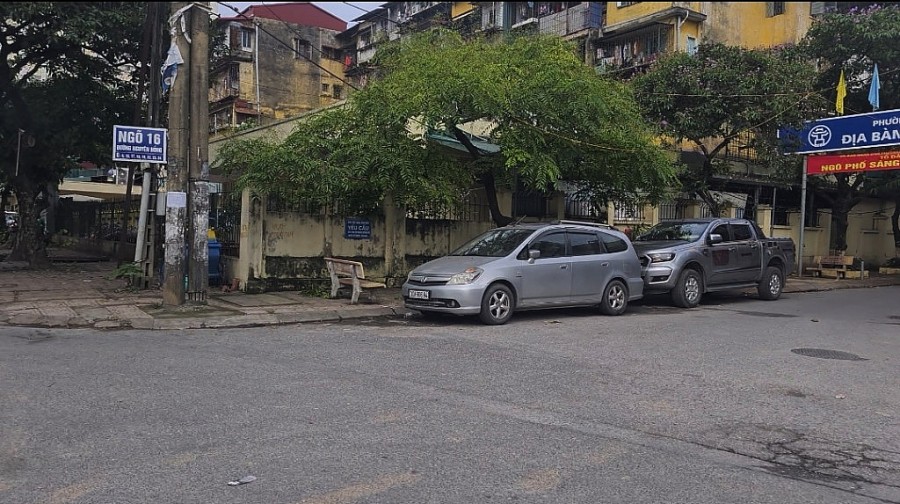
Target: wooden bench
<point>836,266</point>
<point>349,273</point>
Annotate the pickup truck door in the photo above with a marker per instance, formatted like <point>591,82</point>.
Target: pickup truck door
<point>749,266</point>
<point>547,280</point>
<point>722,257</point>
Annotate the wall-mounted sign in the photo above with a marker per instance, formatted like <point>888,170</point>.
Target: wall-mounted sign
<point>843,163</point>
<point>143,145</point>
<point>357,229</point>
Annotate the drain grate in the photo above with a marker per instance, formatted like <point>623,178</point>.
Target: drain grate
<point>827,354</point>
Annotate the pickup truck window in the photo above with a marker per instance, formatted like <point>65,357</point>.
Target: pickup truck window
<point>667,231</point>
<point>741,232</point>
<point>722,229</point>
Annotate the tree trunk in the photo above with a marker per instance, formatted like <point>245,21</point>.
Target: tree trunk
<point>715,207</point>
<point>839,227</point>
<point>490,188</point>
<point>895,225</point>
<point>29,245</point>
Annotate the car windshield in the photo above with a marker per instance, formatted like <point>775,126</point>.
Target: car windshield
<point>683,231</point>
<point>495,243</point>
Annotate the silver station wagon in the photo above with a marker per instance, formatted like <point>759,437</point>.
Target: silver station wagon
<point>527,267</point>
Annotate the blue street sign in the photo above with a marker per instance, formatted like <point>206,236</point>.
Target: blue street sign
<point>860,131</point>
<point>143,145</point>
<point>357,229</point>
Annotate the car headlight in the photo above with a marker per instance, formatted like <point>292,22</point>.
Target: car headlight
<point>662,257</point>
<point>466,277</point>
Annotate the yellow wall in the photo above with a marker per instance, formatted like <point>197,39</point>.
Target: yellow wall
<point>736,23</point>
<point>460,8</point>
<point>615,15</point>
<point>746,24</point>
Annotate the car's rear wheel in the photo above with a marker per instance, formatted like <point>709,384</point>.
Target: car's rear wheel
<point>772,284</point>
<point>496,305</point>
<point>688,290</point>
<point>615,298</point>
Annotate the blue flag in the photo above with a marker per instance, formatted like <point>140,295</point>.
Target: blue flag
<point>874,88</point>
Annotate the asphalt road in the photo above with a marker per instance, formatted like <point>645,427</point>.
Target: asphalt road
<point>660,405</point>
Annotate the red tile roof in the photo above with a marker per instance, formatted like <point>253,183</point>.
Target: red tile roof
<point>301,13</point>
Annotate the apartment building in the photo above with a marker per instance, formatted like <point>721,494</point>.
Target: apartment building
<point>276,61</point>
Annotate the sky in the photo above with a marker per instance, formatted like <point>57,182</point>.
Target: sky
<point>343,10</point>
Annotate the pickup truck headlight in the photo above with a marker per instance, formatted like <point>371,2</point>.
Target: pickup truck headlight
<point>661,257</point>
<point>466,277</point>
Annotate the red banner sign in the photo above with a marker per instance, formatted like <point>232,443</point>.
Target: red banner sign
<point>843,163</point>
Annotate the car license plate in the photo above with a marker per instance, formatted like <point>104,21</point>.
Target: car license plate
<point>419,294</point>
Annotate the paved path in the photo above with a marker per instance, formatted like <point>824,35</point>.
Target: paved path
<point>83,294</point>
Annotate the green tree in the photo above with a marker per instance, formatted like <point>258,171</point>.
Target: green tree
<point>549,118</point>
<point>855,41</point>
<point>62,89</point>
<point>710,99</point>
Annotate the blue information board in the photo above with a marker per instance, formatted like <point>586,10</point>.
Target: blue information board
<point>143,145</point>
<point>835,134</point>
<point>357,229</point>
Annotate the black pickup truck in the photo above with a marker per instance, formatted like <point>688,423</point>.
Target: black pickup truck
<point>690,257</point>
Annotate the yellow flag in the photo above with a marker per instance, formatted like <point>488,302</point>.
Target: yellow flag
<point>841,94</point>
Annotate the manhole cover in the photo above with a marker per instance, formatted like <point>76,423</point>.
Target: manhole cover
<point>827,354</point>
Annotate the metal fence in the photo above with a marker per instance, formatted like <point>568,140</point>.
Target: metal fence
<point>474,208</point>
<point>97,220</point>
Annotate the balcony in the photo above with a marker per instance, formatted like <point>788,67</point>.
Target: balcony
<point>571,21</point>
<point>636,49</point>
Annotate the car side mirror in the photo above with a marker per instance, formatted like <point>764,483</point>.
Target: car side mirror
<point>533,254</point>
<point>715,238</point>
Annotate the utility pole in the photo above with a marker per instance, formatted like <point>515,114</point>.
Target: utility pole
<point>198,271</point>
<point>177,167</point>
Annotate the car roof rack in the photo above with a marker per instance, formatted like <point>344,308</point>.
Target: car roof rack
<point>584,223</point>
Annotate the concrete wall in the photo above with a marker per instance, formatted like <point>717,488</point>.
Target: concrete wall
<point>282,250</point>
<point>869,233</point>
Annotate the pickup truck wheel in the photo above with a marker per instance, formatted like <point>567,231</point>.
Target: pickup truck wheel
<point>615,298</point>
<point>688,290</point>
<point>772,284</point>
<point>496,305</point>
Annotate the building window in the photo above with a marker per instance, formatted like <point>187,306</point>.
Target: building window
<point>337,91</point>
<point>246,39</point>
<point>302,49</point>
<point>774,9</point>
<point>331,53</point>
<point>625,4</point>
<point>325,88</point>
<point>691,46</point>
<point>234,76</point>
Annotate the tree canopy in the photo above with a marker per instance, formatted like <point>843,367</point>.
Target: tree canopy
<point>65,72</point>
<point>547,118</point>
<point>724,94</point>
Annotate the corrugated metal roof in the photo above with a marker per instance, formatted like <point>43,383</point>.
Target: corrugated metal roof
<point>301,13</point>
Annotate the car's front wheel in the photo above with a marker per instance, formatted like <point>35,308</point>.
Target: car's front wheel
<point>772,284</point>
<point>615,298</point>
<point>688,290</point>
<point>496,305</point>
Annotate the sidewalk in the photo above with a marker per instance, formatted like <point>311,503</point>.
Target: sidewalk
<point>83,295</point>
